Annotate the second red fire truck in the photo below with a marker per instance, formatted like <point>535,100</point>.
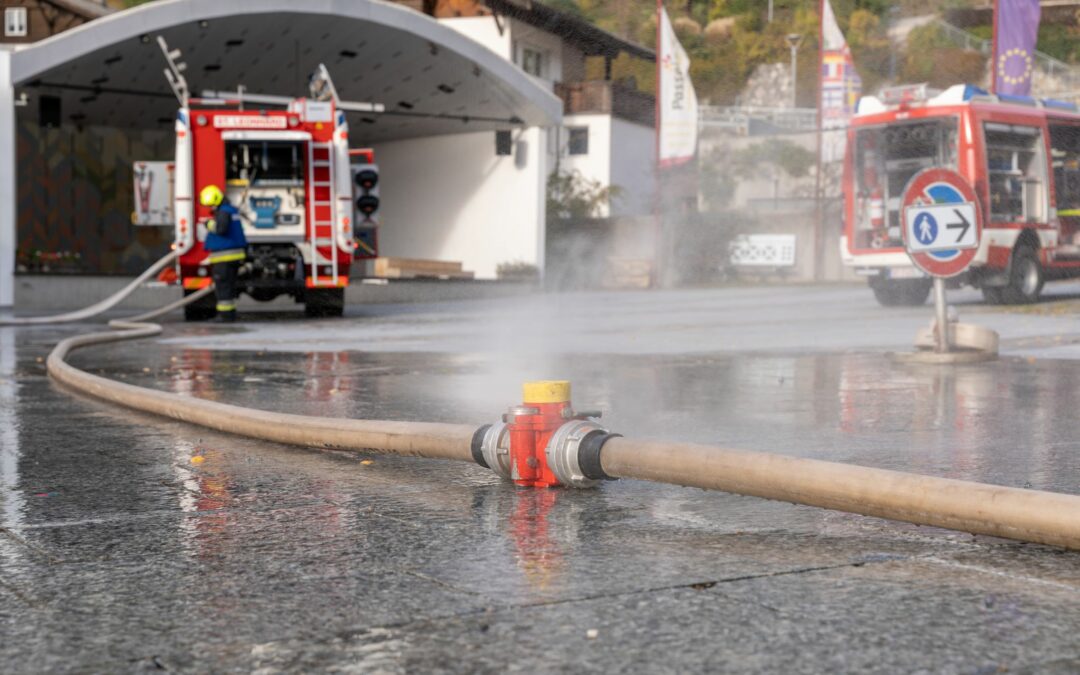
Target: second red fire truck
<point>1021,155</point>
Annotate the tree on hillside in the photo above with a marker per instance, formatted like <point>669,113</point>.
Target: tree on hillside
<point>931,57</point>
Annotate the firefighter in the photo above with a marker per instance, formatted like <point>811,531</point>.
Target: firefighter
<point>227,245</point>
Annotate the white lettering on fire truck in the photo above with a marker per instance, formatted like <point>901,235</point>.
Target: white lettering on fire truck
<point>249,122</point>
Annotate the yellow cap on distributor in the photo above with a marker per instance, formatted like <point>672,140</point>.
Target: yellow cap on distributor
<point>546,391</point>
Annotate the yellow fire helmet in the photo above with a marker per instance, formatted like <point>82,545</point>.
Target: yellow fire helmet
<point>211,195</point>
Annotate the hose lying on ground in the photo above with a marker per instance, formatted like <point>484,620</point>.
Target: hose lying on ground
<point>99,307</point>
<point>1025,515</point>
<point>442,441</point>
<point>1013,513</point>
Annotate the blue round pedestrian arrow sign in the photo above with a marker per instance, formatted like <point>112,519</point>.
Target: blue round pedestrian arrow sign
<point>925,228</point>
<point>942,225</point>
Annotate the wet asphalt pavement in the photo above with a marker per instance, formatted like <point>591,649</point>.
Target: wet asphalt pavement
<point>133,543</point>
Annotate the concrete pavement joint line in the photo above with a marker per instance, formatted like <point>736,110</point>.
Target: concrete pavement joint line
<point>1006,575</point>
<point>439,582</point>
<point>34,548</point>
<point>23,597</point>
<point>469,613</point>
<point>705,585</point>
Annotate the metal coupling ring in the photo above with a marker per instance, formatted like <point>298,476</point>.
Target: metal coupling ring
<point>496,449</point>
<point>562,452</point>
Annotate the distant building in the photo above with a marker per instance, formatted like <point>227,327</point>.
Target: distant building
<point>28,21</point>
<point>467,193</point>
<point>608,127</point>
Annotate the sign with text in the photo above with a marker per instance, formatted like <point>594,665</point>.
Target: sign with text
<point>250,122</point>
<point>154,183</point>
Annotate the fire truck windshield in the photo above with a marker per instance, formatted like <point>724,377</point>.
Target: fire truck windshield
<point>886,157</point>
<point>267,163</point>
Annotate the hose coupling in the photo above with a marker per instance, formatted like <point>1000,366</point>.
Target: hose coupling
<point>543,442</point>
<point>573,459</point>
<point>494,448</point>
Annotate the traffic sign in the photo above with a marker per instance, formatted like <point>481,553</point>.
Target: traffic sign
<point>942,222</point>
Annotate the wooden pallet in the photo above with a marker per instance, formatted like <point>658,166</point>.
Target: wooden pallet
<point>412,268</point>
<point>628,273</point>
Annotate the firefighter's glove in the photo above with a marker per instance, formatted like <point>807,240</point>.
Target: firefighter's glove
<point>220,223</point>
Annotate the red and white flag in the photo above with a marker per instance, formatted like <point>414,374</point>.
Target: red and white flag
<point>840,85</point>
<point>677,102</point>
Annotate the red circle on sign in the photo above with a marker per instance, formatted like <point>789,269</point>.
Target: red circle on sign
<point>940,186</point>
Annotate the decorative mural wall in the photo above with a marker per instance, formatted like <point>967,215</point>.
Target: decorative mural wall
<point>75,199</point>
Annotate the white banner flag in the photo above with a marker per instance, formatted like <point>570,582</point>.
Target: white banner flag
<point>678,103</point>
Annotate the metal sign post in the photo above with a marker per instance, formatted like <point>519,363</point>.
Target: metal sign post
<point>942,227</point>
<point>942,315</point>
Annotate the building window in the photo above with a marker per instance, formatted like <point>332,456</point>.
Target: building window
<point>15,22</point>
<point>578,142</point>
<point>504,143</point>
<point>532,61</point>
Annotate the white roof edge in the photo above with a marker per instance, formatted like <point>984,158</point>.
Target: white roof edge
<point>34,59</point>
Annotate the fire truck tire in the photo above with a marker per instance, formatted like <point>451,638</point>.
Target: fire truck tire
<point>1026,278</point>
<point>324,302</point>
<point>203,309</point>
<point>906,293</point>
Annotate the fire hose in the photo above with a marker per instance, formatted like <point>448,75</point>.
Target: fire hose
<point>98,307</point>
<point>544,442</point>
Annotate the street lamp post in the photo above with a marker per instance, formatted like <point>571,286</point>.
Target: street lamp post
<point>794,40</point>
<point>894,14</point>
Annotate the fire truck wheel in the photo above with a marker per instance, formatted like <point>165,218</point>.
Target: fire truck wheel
<point>902,293</point>
<point>1026,278</point>
<point>324,302</point>
<point>203,309</point>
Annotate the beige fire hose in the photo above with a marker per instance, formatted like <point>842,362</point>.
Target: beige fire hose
<point>99,307</point>
<point>440,441</point>
<point>1013,513</point>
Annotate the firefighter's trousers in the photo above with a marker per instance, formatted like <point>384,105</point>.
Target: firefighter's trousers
<point>225,274</point>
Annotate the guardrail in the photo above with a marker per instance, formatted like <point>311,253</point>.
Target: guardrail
<point>740,117</point>
<point>1049,65</point>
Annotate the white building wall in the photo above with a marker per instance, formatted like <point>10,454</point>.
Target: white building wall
<point>7,182</point>
<point>484,30</point>
<point>633,167</point>
<point>452,198</point>
<point>596,164</point>
<point>621,154</point>
<point>525,36</point>
<point>514,38</point>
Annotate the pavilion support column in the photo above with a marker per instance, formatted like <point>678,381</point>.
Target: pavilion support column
<point>7,182</point>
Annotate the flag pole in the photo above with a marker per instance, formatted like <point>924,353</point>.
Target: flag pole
<point>658,230</point>
<point>818,211</point>
<point>994,48</point>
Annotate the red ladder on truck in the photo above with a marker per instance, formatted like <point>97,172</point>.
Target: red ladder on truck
<point>320,197</point>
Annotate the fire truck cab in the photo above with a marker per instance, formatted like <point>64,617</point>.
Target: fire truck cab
<point>1021,155</point>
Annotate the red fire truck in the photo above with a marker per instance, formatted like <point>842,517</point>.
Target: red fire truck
<point>1021,155</point>
<point>307,202</point>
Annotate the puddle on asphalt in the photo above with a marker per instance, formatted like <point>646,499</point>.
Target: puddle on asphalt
<point>211,498</point>
<point>1011,421</point>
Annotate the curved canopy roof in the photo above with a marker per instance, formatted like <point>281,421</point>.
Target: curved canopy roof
<point>431,79</point>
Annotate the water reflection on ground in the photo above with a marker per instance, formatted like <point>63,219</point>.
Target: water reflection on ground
<point>133,535</point>
<point>1010,421</point>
